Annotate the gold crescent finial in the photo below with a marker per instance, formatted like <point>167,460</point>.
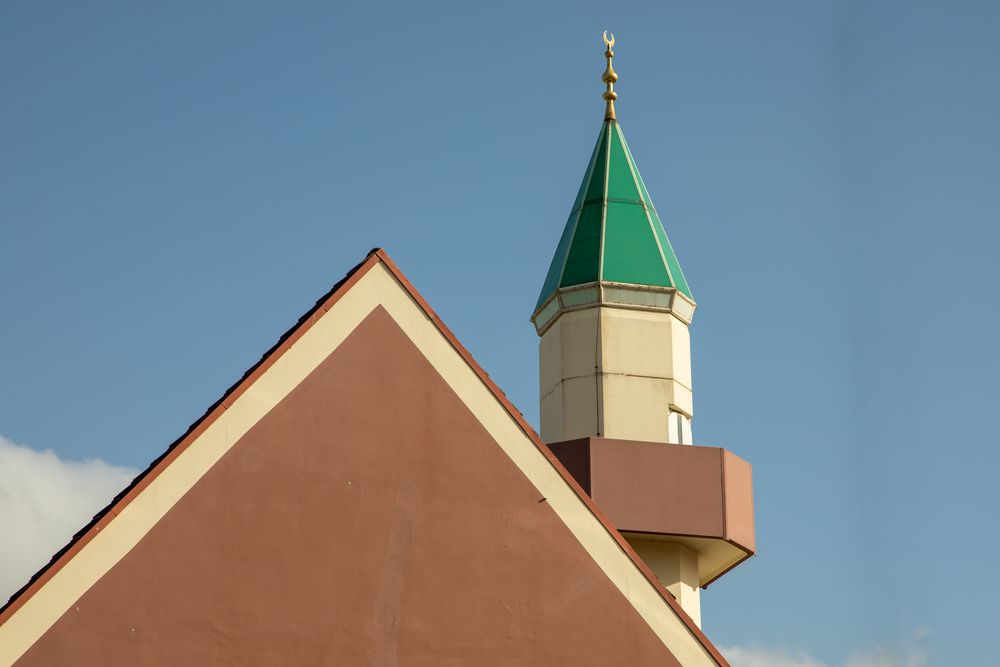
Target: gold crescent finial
<point>609,78</point>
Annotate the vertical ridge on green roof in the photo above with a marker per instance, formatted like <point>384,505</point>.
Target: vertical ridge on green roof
<point>613,232</point>
<point>558,265</point>
<point>677,279</point>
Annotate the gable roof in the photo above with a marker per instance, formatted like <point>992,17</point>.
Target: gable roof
<point>613,232</point>
<point>118,527</point>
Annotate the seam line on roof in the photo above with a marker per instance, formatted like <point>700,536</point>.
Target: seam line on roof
<point>670,246</point>
<point>604,200</point>
<point>579,212</point>
<point>614,200</point>
<point>635,180</point>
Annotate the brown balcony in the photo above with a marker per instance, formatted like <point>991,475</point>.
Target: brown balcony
<point>699,496</point>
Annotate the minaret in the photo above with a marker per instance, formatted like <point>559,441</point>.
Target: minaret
<point>614,311</point>
<point>615,379</point>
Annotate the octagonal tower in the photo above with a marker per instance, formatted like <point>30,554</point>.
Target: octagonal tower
<point>615,379</point>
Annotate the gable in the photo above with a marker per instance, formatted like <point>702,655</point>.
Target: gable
<point>365,496</point>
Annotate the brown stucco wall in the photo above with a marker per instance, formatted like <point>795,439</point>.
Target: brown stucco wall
<point>367,519</point>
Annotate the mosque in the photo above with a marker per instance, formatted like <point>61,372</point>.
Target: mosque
<point>366,495</point>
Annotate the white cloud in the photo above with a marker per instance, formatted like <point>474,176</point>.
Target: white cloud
<point>44,501</point>
<point>887,658</point>
<point>759,656</point>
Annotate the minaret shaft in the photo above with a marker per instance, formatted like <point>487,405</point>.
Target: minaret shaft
<point>615,379</point>
<point>676,565</point>
<point>616,373</point>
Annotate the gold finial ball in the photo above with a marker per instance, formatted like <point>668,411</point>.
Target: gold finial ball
<point>609,78</point>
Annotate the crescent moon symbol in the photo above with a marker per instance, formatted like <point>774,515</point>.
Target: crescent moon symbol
<point>609,42</point>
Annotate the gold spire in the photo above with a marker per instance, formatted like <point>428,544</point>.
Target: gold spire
<point>609,78</point>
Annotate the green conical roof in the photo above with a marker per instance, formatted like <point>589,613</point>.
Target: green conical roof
<point>613,232</point>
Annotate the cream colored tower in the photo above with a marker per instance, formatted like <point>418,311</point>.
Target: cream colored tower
<point>613,316</point>
<point>614,312</point>
<point>615,368</point>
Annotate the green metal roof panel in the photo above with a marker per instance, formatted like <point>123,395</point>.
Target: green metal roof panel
<point>613,232</point>
<point>621,183</point>
<point>558,262</point>
<point>584,259</point>
<point>598,170</point>
<point>557,268</point>
<point>677,279</point>
<point>584,186</point>
<point>676,274</point>
<point>631,254</point>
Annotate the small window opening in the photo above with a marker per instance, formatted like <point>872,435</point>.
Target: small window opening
<point>679,431</point>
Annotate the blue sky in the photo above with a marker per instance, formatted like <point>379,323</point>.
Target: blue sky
<point>178,183</point>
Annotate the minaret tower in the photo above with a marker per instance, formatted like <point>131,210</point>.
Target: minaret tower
<point>614,311</point>
<point>615,379</point>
